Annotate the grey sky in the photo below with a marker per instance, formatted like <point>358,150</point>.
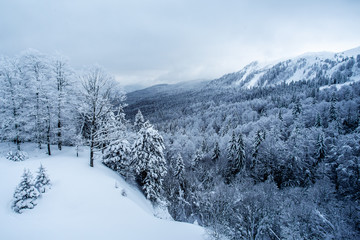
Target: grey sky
<point>157,41</point>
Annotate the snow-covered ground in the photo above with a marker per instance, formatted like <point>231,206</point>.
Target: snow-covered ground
<point>83,203</point>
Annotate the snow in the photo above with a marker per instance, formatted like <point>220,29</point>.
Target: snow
<point>83,202</point>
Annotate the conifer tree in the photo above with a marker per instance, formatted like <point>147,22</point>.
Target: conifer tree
<point>216,152</point>
<point>149,161</point>
<point>320,149</point>
<point>139,121</point>
<point>318,120</point>
<point>42,180</point>
<point>179,168</point>
<point>232,148</point>
<point>297,108</point>
<point>26,194</point>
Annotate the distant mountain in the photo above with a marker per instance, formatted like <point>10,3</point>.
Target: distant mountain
<point>322,69</point>
<point>334,67</point>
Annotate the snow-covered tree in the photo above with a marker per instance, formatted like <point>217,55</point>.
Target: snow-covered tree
<point>16,156</point>
<point>232,148</point>
<point>113,135</point>
<point>297,107</point>
<point>42,180</point>
<point>149,161</point>
<point>236,157</point>
<point>139,121</point>
<point>13,97</point>
<point>216,152</point>
<point>26,194</point>
<point>64,101</point>
<point>320,149</point>
<point>35,71</point>
<point>98,90</point>
<point>179,167</point>
<point>259,138</point>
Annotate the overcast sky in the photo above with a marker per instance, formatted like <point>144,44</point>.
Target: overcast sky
<point>149,42</point>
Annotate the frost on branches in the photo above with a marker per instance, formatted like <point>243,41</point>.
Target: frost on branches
<point>42,181</point>
<point>149,161</point>
<point>112,135</point>
<point>16,156</point>
<point>26,194</point>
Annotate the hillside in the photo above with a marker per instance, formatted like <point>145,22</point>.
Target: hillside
<point>82,204</point>
<point>325,69</point>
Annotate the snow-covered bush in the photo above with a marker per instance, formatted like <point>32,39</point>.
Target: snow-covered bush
<point>26,194</point>
<point>42,181</point>
<point>17,156</point>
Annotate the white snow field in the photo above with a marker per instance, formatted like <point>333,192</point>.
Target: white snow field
<point>83,203</point>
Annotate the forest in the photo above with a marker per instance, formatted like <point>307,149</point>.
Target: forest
<point>275,161</point>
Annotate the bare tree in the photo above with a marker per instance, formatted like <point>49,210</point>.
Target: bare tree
<point>99,88</point>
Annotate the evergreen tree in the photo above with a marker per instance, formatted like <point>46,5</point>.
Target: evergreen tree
<point>199,155</point>
<point>149,161</point>
<point>297,108</point>
<point>179,168</point>
<point>236,157</point>
<point>42,180</point>
<point>216,152</point>
<point>318,120</point>
<point>26,194</point>
<point>139,121</point>
<point>232,148</point>
<point>320,149</point>
<point>259,138</point>
<point>111,135</point>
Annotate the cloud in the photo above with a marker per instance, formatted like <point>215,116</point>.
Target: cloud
<point>176,40</point>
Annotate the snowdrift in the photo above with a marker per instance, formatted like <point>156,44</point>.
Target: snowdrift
<point>83,203</point>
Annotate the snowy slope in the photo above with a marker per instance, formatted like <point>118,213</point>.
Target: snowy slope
<point>308,67</point>
<point>82,204</point>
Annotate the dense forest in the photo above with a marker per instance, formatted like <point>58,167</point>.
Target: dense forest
<point>276,160</point>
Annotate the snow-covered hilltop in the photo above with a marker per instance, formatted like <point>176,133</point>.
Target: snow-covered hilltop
<point>83,203</point>
<point>334,67</point>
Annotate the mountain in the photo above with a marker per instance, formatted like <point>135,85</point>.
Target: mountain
<point>83,202</point>
<point>322,69</point>
<point>335,67</point>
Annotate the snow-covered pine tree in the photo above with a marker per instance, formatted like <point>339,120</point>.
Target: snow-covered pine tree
<point>318,120</point>
<point>297,108</point>
<point>112,136</point>
<point>26,194</point>
<point>240,154</point>
<point>259,138</point>
<point>179,168</point>
<point>320,149</point>
<point>199,156</point>
<point>232,148</point>
<point>216,152</point>
<point>139,121</point>
<point>236,157</point>
<point>42,180</point>
<point>149,161</point>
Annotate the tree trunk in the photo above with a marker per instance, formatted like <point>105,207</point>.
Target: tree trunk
<point>92,142</point>
<point>92,151</point>
<point>59,133</point>
<point>48,131</point>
